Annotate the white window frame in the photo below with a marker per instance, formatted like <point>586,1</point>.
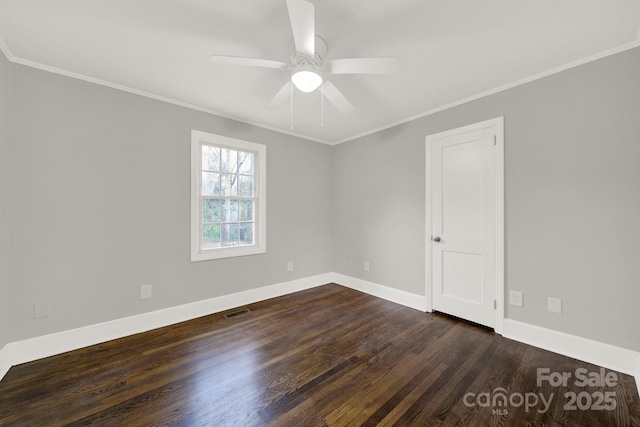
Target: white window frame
<point>199,138</point>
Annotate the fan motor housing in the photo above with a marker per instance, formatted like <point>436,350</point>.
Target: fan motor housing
<point>317,61</point>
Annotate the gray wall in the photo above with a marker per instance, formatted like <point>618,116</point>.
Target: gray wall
<point>99,201</point>
<point>4,196</point>
<point>572,178</point>
<point>100,195</point>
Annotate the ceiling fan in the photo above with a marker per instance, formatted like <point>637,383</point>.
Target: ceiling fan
<point>307,61</point>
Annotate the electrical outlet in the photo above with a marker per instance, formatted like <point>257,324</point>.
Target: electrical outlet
<point>367,266</point>
<point>515,298</point>
<point>146,291</point>
<point>290,266</point>
<point>555,305</point>
<point>40,309</point>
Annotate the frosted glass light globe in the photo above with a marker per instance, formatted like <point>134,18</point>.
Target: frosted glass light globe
<point>306,81</point>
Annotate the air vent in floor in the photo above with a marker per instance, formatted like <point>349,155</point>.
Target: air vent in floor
<point>237,313</point>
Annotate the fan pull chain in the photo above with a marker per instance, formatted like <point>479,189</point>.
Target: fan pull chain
<point>291,117</point>
<point>322,106</point>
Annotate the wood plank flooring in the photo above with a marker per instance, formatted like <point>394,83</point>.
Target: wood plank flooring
<point>328,356</point>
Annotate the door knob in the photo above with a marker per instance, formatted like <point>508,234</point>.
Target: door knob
<point>436,239</point>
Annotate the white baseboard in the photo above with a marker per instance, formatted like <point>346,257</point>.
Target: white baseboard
<point>598,353</point>
<point>48,345</point>
<point>637,375</point>
<point>418,302</point>
<point>608,356</point>
<point>5,360</point>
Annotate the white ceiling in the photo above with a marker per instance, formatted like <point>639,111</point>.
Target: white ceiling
<point>449,50</point>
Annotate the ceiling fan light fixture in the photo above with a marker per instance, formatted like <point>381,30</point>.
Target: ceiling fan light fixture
<point>306,81</point>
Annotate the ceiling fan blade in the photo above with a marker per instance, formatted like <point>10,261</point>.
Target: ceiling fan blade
<point>364,65</point>
<point>302,17</point>
<point>336,97</point>
<point>281,97</point>
<point>252,62</point>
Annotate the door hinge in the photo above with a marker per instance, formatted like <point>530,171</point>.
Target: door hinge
<point>495,304</point>
<point>495,140</point>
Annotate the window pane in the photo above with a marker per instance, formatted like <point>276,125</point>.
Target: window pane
<point>229,161</point>
<point>246,210</point>
<point>246,233</point>
<point>210,158</point>
<point>245,163</point>
<point>229,235</point>
<point>245,186</point>
<point>229,185</point>
<point>211,184</point>
<point>210,236</point>
<point>211,211</point>
<point>229,210</point>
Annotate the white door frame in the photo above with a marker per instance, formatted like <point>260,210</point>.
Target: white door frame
<point>498,126</point>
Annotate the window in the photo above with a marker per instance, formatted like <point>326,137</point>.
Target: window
<point>228,197</point>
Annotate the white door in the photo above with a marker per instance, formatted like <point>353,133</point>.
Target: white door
<point>463,226</point>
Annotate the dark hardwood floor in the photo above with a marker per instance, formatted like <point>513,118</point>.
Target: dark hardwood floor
<point>326,356</point>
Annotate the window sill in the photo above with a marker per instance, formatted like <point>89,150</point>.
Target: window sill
<point>212,254</point>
